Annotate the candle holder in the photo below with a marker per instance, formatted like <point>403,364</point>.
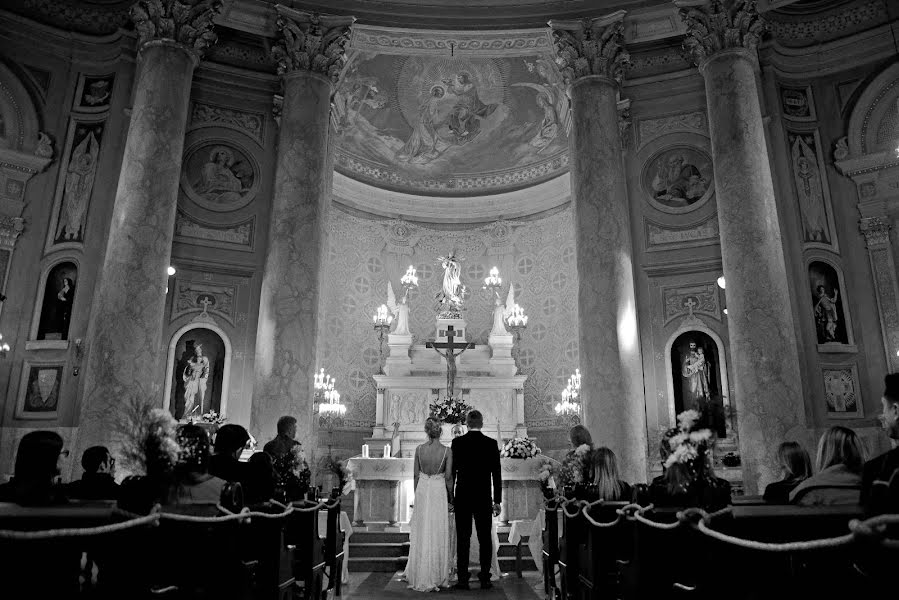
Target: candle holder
<point>569,408</point>
<point>409,281</point>
<point>517,322</point>
<point>493,283</point>
<point>330,410</point>
<point>381,323</point>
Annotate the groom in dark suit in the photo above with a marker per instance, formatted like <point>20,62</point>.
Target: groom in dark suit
<point>475,463</point>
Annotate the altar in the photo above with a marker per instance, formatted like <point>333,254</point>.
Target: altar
<point>384,491</point>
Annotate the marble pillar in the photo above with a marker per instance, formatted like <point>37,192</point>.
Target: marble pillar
<point>125,350</point>
<point>592,61</point>
<point>880,254</point>
<point>722,37</point>
<point>310,54</point>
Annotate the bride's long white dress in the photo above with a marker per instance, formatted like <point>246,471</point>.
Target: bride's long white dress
<point>428,566</point>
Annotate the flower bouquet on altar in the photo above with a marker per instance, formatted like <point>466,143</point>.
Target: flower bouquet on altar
<point>450,410</point>
<point>213,417</point>
<point>292,474</point>
<point>519,448</point>
<point>346,483</point>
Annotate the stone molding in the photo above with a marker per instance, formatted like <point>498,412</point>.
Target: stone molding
<point>311,42</point>
<point>828,25</point>
<point>876,231</point>
<point>591,47</point>
<point>716,25</point>
<point>187,24</point>
<point>389,40</point>
<point>250,123</point>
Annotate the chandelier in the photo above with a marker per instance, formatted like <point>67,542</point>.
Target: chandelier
<point>569,406</point>
<point>329,397</point>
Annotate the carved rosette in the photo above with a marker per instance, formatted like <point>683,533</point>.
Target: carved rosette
<point>311,42</point>
<point>715,25</point>
<point>876,231</point>
<point>188,23</point>
<point>591,47</point>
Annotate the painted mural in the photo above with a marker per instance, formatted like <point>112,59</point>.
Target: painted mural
<point>465,125</point>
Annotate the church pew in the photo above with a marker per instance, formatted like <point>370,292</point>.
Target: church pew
<point>333,550</point>
<point>550,556</point>
<point>604,549</point>
<point>309,558</point>
<point>265,550</point>
<point>574,532</point>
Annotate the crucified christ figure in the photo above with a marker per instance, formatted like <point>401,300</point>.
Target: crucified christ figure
<point>450,357</point>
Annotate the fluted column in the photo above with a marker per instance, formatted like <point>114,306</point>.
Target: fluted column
<point>125,348</point>
<point>310,55</point>
<point>880,253</point>
<point>592,61</point>
<point>722,37</point>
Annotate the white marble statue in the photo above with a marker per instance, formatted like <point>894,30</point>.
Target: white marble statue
<point>400,310</point>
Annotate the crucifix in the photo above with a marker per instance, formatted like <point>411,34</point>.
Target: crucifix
<point>450,356</point>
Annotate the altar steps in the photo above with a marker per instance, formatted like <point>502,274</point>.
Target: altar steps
<point>382,551</point>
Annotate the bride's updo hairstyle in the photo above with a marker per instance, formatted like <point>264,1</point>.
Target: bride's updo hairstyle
<point>432,428</point>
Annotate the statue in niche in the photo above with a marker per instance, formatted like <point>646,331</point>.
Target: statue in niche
<point>827,307</point>
<point>697,380</point>
<point>807,179</point>
<point>56,310</point>
<point>79,183</point>
<point>197,373</point>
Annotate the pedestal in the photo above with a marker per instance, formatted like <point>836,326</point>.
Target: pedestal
<point>501,361</point>
<point>398,362</point>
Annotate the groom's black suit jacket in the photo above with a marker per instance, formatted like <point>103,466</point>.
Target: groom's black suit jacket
<point>475,463</point>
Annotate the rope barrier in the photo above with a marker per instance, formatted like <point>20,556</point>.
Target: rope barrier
<point>78,532</point>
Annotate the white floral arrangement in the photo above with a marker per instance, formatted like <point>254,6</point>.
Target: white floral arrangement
<point>213,417</point>
<point>549,471</point>
<point>685,444</point>
<point>519,448</point>
<point>574,465</point>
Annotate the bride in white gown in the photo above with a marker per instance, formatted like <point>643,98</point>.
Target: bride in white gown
<point>429,539</point>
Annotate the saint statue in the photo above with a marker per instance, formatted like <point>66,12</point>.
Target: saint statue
<point>78,186</point>
<point>449,299</point>
<point>696,371</point>
<point>195,377</point>
<point>826,315</point>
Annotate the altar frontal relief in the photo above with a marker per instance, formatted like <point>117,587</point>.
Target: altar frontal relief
<point>467,125</point>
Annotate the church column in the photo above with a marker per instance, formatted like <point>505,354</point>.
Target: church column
<point>310,55</point>
<point>124,334</point>
<point>722,37</point>
<point>592,61</point>
<point>880,253</point>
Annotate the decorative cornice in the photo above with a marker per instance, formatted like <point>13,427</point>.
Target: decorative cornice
<point>876,231</point>
<point>93,19</point>
<point>311,42</point>
<point>822,25</point>
<point>591,47</point>
<point>386,40</point>
<point>187,24</point>
<point>716,25</point>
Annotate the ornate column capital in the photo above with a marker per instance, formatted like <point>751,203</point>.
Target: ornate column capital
<point>10,229</point>
<point>591,47</point>
<point>311,42</point>
<point>187,22</point>
<point>876,231</point>
<point>716,25</point>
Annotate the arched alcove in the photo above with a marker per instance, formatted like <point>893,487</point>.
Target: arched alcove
<point>194,348</point>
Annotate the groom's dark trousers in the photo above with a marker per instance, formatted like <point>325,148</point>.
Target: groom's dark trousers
<point>475,471</point>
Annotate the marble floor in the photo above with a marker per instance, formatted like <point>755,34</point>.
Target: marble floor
<point>376,586</point>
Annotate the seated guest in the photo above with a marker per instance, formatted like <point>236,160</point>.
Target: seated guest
<point>259,482</point>
<point>98,480</point>
<point>192,482</point>
<point>285,440</point>
<point>229,443</point>
<point>796,466</point>
<point>578,462</point>
<point>688,479</point>
<point>608,485</point>
<point>37,469</point>
<point>880,471</point>
<point>841,457</point>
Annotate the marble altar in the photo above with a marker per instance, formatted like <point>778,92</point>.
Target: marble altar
<point>384,490</point>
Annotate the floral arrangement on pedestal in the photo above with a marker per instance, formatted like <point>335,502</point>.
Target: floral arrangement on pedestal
<point>149,440</point>
<point>549,472</point>
<point>519,448</point>
<point>575,465</point>
<point>292,473</point>
<point>450,410</point>
<point>686,445</point>
<point>213,417</point>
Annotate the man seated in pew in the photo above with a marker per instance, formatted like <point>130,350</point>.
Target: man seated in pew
<point>796,466</point>
<point>98,480</point>
<point>688,479</point>
<point>230,441</point>
<point>284,442</point>
<point>37,469</point>
<point>609,486</point>
<point>882,471</point>
<point>838,482</point>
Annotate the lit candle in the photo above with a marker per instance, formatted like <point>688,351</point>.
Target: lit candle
<point>386,450</point>
<point>409,279</point>
<point>364,450</point>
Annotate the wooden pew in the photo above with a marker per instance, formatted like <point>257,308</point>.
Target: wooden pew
<point>551,552</point>
<point>663,562</point>
<point>605,548</point>
<point>333,550</point>
<point>309,556</point>
<point>267,554</point>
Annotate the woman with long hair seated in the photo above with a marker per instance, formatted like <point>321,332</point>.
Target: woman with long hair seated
<point>838,482</point>
<point>192,482</point>
<point>37,470</point>
<point>581,454</point>
<point>608,485</point>
<point>796,467</point>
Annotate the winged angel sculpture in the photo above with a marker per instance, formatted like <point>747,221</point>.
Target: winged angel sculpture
<point>311,42</point>
<point>400,310</point>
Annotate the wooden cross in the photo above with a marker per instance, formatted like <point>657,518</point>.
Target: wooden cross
<point>450,356</point>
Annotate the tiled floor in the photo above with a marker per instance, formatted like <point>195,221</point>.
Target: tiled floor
<point>377,586</point>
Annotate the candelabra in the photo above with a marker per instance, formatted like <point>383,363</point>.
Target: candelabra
<point>382,321</point>
<point>569,406</point>
<point>330,410</point>
<point>409,281</point>
<point>493,283</point>
<point>517,321</point>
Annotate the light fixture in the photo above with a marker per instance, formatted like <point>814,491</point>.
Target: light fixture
<point>721,282</point>
<point>4,347</point>
<point>170,270</point>
<point>725,311</point>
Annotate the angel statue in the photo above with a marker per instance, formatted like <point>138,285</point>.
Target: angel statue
<point>450,297</point>
<point>400,310</point>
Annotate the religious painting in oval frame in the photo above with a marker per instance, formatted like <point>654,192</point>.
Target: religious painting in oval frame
<point>678,179</point>
<point>695,367</point>
<point>219,176</point>
<point>198,373</point>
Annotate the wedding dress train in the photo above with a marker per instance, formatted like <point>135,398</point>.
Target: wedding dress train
<point>429,557</point>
